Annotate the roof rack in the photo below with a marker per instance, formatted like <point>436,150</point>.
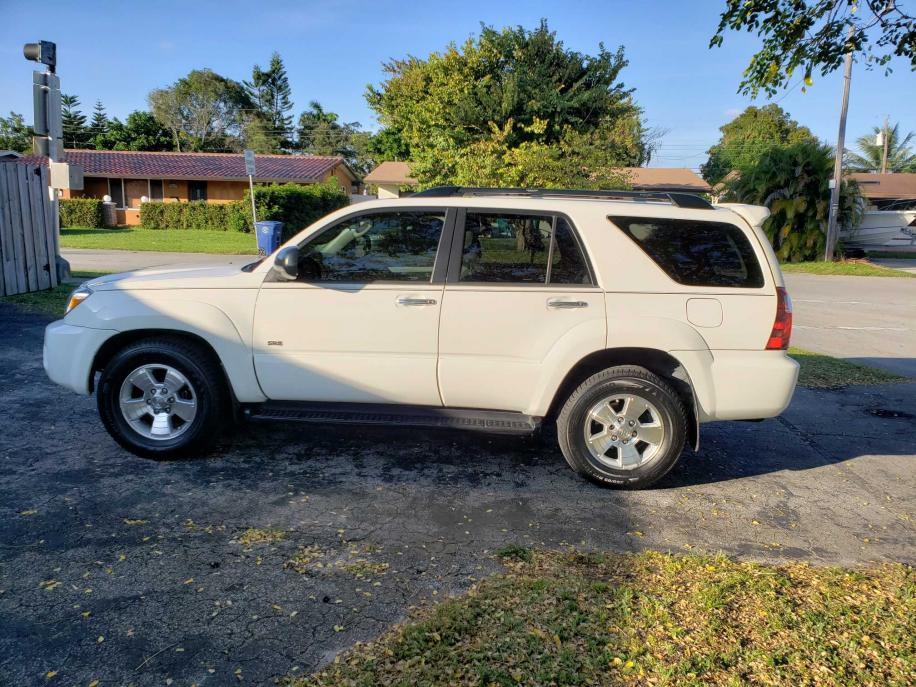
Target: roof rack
<point>681,200</point>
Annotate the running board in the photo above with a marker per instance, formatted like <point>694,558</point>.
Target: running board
<point>491,421</point>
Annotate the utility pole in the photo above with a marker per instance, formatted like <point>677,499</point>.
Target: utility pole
<point>837,181</point>
<point>886,136</point>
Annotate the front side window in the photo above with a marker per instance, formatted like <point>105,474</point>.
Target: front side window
<point>695,253</point>
<point>516,248</point>
<point>387,246</point>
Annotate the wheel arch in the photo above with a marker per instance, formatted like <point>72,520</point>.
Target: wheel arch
<point>656,361</point>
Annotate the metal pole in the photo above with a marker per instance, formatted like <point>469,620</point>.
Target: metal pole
<point>886,134</point>
<point>838,162</point>
<point>254,212</point>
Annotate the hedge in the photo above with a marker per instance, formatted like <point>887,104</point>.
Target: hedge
<point>294,205</point>
<point>81,212</point>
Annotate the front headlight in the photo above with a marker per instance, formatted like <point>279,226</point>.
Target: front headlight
<point>80,294</point>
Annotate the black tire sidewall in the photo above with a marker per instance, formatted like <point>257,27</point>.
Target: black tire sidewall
<point>205,424</point>
<point>572,439</point>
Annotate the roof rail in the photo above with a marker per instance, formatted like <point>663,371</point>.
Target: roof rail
<point>681,200</point>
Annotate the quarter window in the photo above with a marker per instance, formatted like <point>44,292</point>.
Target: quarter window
<point>696,253</point>
<point>390,246</point>
<point>516,248</point>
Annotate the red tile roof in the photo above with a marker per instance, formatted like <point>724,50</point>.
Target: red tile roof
<point>224,166</point>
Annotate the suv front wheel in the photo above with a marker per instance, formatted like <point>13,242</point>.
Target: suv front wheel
<point>163,398</point>
<point>623,427</point>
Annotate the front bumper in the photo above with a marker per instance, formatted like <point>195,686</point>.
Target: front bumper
<point>69,352</point>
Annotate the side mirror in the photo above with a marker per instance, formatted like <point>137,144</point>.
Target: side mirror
<point>286,264</point>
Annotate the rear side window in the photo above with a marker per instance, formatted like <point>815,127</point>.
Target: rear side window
<point>696,253</point>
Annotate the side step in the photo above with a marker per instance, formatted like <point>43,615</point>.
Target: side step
<point>491,421</point>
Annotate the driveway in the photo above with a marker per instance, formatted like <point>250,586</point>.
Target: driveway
<point>122,570</point>
<point>93,260</point>
<point>870,320</point>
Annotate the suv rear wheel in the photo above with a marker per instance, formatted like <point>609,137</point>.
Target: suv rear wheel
<point>623,427</point>
<point>163,398</point>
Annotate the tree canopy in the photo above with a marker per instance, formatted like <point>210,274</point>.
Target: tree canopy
<point>73,122</point>
<point>513,106</point>
<point>748,136</point>
<point>140,131</point>
<point>802,36</point>
<point>203,110</point>
<point>270,94</point>
<point>15,134</point>
<point>900,156</point>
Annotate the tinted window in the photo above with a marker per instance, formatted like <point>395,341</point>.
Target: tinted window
<point>696,253</point>
<point>390,246</point>
<point>567,264</point>
<point>155,189</point>
<point>197,190</point>
<point>505,248</point>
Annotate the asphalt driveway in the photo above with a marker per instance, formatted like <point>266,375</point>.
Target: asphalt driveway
<point>127,571</point>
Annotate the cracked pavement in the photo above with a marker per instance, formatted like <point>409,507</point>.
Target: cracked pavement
<point>127,571</point>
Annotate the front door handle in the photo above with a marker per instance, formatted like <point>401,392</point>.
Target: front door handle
<point>562,304</point>
<point>406,300</point>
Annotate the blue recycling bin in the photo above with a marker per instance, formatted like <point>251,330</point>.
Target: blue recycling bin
<point>268,235</point>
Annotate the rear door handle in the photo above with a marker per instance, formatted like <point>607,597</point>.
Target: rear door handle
<point>562,304</point>
<point>406,300</point>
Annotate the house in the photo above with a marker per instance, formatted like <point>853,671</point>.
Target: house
<point>129,177</point>
<point>887,191</point>
<point>390,177</point>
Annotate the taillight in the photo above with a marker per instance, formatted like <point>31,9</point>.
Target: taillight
<point>782,326</point>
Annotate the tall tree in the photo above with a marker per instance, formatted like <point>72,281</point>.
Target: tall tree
<point>512,100</point>
<point>270,92</point>
<point>203,109</point>
<point>900,157</point>
<point>322,133</point>
<point>141,131</point>
<point>15,134</point>
<point>808,35</point>
<point>98,125</point>
<point>749,135</point>
<point>74,122</point>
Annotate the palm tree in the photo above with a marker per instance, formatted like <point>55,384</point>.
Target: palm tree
<point>900,158</point>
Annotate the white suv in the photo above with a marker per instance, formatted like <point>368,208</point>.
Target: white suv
<point>627,319</point>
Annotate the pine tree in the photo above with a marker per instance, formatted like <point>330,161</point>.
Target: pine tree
<point>98,125</point>
<point>74,122</point>
<point>269,90</point>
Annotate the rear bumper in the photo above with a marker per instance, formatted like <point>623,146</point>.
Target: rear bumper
<point>69,351</point>
<point>749,385</point>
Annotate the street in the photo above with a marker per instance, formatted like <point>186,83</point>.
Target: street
<point>119,569</point>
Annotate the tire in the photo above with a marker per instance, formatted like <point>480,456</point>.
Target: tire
<point>627,463</point>
<point>201,400</point>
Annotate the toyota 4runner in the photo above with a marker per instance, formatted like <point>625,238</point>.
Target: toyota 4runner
<point>626,319</point>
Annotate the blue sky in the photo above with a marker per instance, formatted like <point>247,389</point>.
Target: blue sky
<point>119,51</point>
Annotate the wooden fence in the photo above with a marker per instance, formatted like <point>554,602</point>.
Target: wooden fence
<point>28,235</point>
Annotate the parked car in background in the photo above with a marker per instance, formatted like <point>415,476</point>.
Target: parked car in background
<point>627,319</point>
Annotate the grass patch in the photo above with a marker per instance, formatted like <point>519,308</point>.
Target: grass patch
<point>254,536</point>
<point>844,267</point>
<point>50,301</point>
<point>170,240</point>
<point>589,619</point>
<point>819,371</point>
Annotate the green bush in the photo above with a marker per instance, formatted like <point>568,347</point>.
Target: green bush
<point>294,205</point>
<point>81,212</point>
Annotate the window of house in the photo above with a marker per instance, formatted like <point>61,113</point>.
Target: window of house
<point>155,189</point>
<point>516,248</point>
<point>385,246</point>
<point>696,253</point>
<point>116,191</point>
<point>197,190</point>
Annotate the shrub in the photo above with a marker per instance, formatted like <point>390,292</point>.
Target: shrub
<point>81,212</point>
<point>296,206</point>
<point>793,182</point>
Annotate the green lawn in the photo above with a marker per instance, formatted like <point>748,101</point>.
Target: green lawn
<point>171,240</point>
<point>826,372</point>
<point>52,301</point>
<point>569,618</point>
<point>848,268</point>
